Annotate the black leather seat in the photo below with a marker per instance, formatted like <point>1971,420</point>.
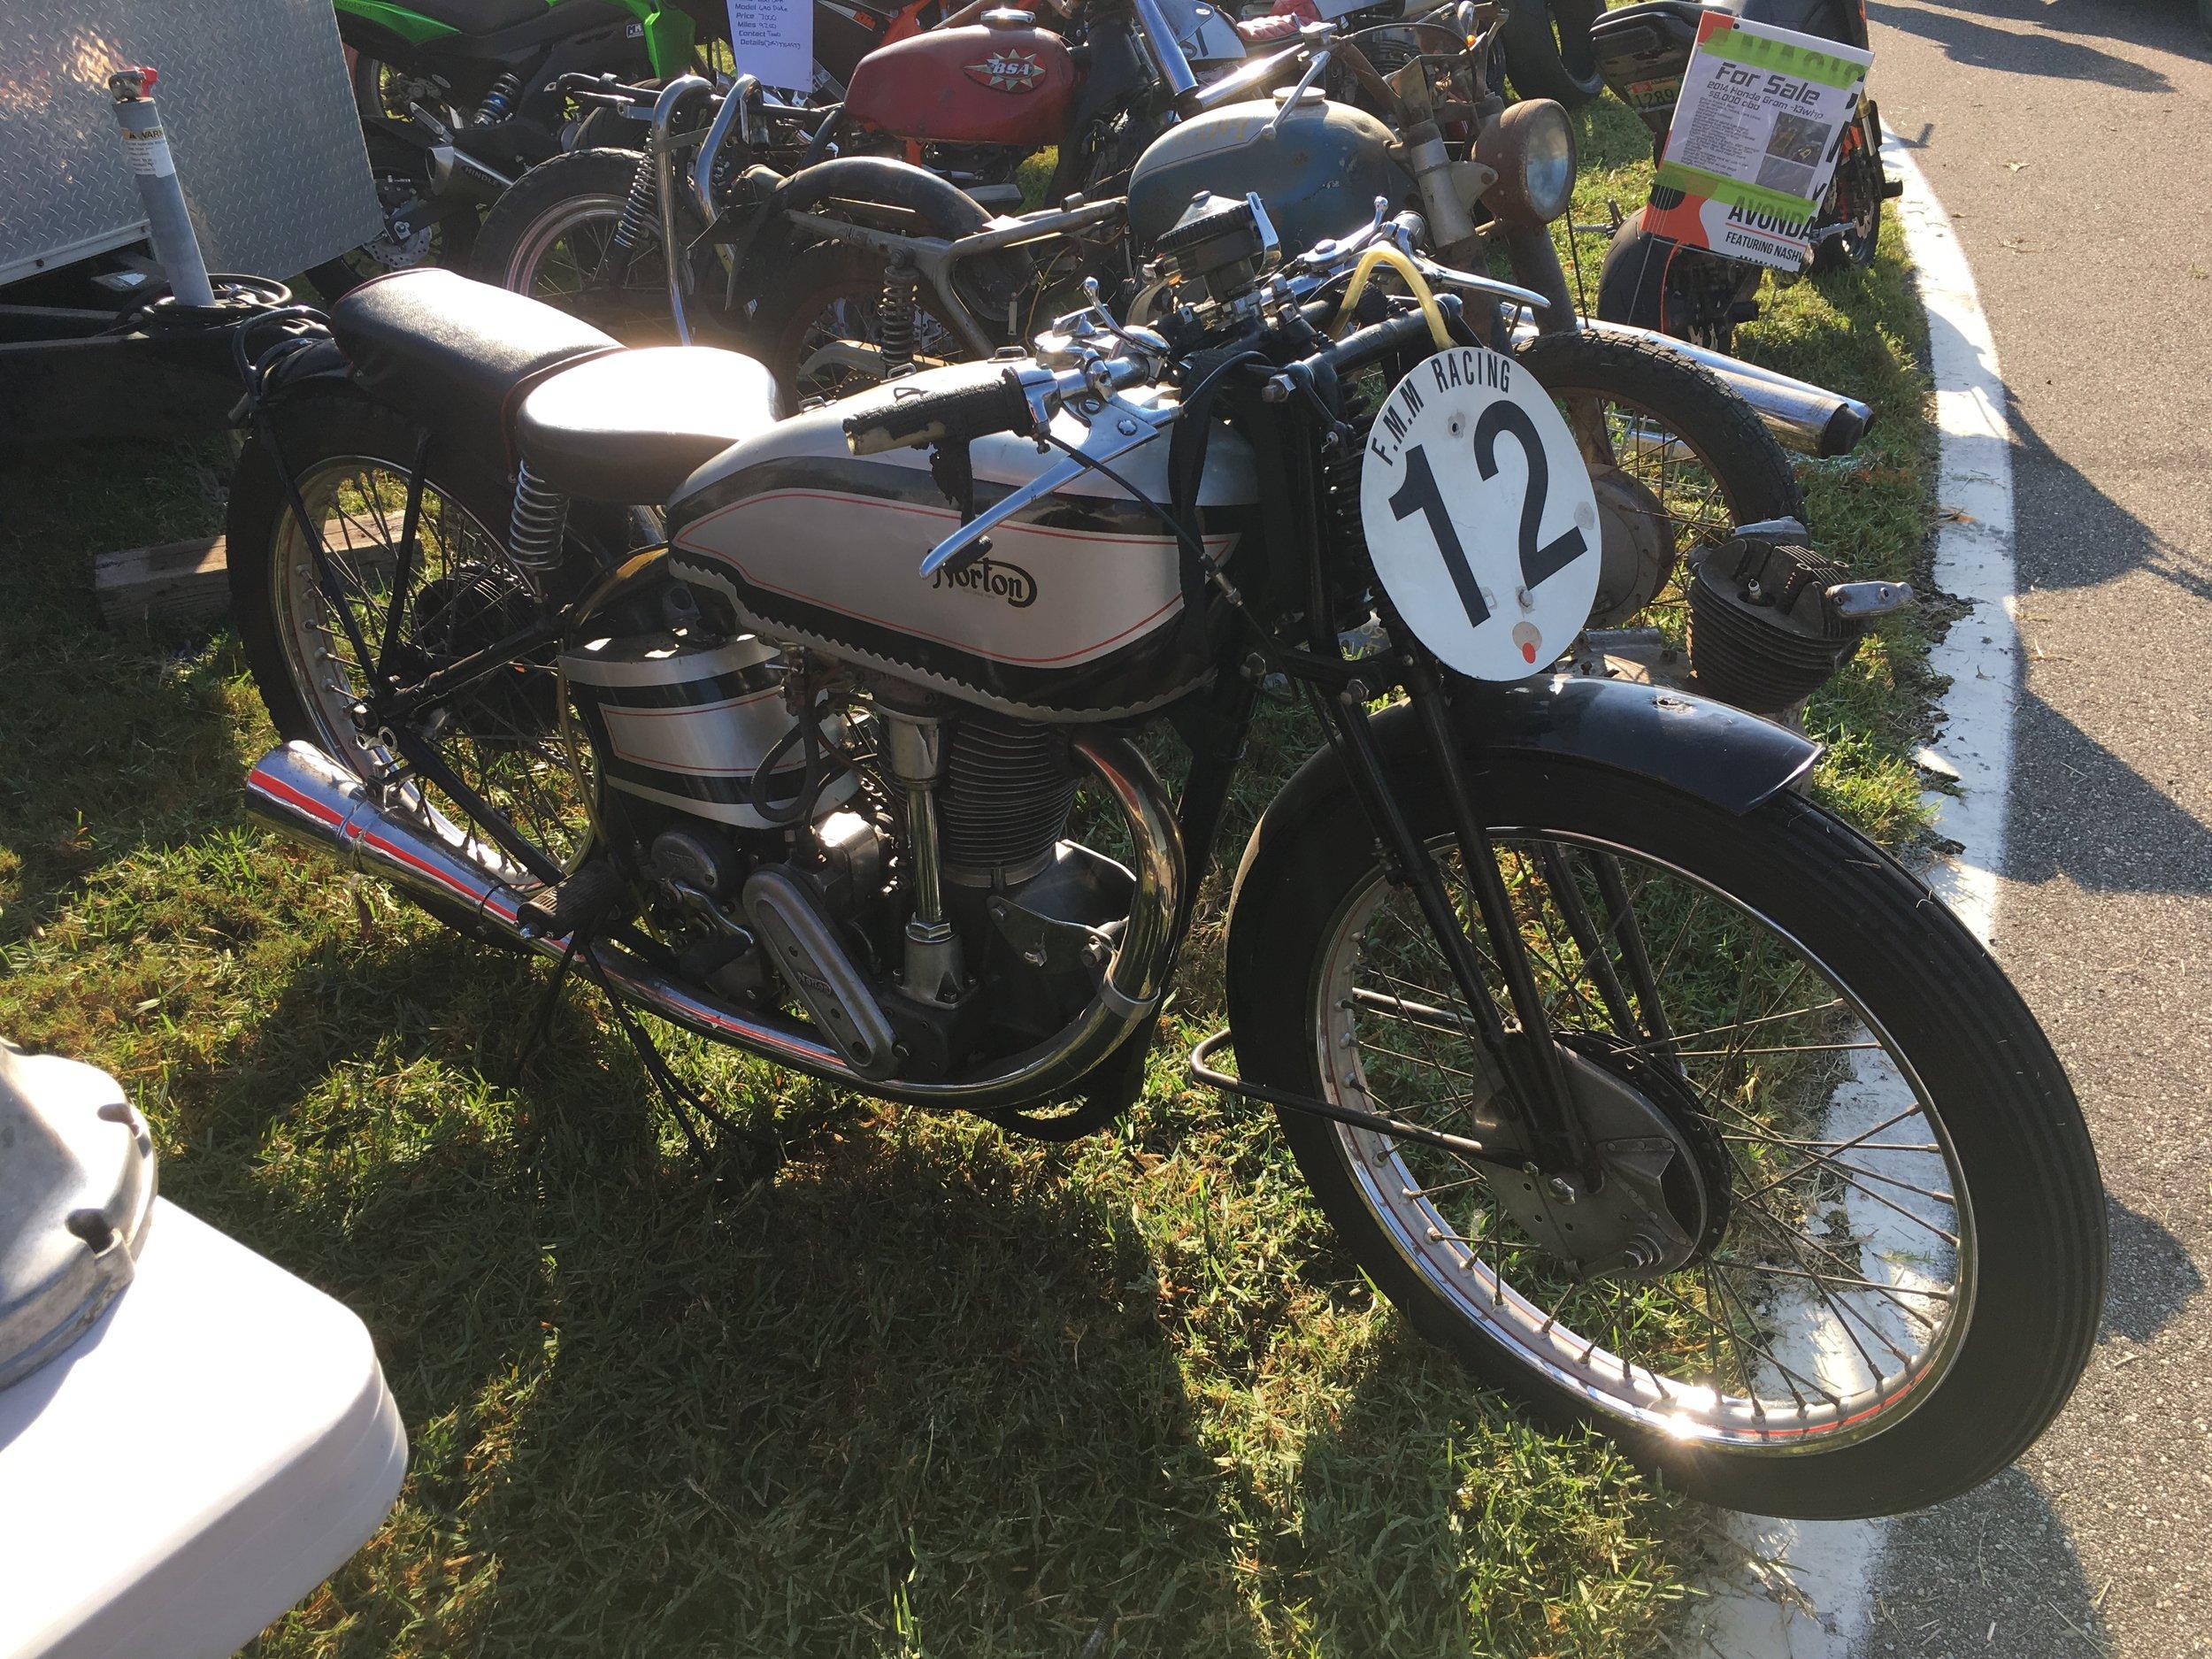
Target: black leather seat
<point>453,354</point>
<point>633,426</point>
<point>1643,27</point>
<point>480,17</point>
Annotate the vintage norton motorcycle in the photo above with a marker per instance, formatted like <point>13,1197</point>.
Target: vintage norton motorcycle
<point>1635,1077</point>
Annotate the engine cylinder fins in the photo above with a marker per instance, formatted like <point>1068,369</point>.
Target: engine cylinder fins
<point>1008,788</point>
<point>1764,632</point>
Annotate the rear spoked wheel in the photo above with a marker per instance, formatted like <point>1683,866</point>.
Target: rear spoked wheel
<point>1847,1251</point>
<point>822,330</point>
<point>553,235</point>
<point>1676,460</point>
<point>504,736</point>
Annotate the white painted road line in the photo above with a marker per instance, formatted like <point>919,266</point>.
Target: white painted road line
<point>1973,557</point>
<point>1802,1590</point>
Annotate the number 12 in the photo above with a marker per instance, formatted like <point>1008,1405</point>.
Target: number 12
<point>1420,493</point>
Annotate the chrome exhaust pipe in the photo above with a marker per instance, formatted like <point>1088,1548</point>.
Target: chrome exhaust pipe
<point>1803,417</point>
<point>305,795</point>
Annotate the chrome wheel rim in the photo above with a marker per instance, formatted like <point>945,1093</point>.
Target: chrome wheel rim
<point>1843,1286</point>
<point>560,260</point>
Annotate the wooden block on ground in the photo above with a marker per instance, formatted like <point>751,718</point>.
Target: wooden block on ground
<point>180,582</point>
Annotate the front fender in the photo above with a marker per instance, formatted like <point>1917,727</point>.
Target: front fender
<point>1705,749</point>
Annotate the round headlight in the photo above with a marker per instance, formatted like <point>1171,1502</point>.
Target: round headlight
<point>1531,150</point>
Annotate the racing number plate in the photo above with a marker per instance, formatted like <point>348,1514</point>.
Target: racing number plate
<point>1479,515</point>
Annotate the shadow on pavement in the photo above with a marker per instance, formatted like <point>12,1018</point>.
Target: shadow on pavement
<point>2153,1279</point>
<point>2101,539</point>
<point>2151,844</point>
<point>1957,28</point>
<point>2010,1586</point>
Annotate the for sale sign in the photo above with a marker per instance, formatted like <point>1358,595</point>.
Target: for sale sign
<point>1764,114</point>
<point>774,40</point>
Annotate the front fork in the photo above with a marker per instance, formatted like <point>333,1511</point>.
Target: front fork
<point>1526,1054</point>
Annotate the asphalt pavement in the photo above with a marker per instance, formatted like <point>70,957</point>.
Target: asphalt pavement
<point>2071,143</point>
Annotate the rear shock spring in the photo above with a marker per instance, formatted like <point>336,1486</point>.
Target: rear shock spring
<point>639,208</point>
<point>539,521</point>
<point>894,319</point>
<point>499,97</point>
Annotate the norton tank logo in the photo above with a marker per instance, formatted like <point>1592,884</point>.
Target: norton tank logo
<point>1008,71</point>
<point>994,578</point>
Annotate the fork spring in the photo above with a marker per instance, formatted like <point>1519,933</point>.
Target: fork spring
<point>1340,481</point>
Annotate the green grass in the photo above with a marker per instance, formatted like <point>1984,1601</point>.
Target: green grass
<point>936,1391</point>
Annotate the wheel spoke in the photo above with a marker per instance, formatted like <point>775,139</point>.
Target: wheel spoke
<point>1770,1055</point>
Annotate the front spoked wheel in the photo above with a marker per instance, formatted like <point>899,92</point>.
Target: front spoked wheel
<point>1848,1248</point>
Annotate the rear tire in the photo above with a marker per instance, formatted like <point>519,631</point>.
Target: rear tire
<point>1754,473</point>
<point>1662,436</point>
<point>2031,1273</point>
<point>547,234</point>
<point>1855,195</point>
<point>830,289</point>
<point>1654,283</point>
<point>1547,50</point>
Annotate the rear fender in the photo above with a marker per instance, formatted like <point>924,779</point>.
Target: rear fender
<point>1734,760</point>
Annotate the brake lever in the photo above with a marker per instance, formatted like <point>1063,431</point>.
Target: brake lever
<point>1129,427</point>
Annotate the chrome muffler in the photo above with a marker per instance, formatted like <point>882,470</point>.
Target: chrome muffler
<point>303,793</point>
<point>1803,417</point>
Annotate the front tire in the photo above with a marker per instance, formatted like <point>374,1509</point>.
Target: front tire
<point>1979,1380</point>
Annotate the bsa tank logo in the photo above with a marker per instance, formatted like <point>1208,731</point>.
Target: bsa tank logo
<point>994,579</point>
<point>1008,71</point>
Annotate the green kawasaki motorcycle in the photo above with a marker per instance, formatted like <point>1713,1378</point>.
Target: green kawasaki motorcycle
<point>459,97</point>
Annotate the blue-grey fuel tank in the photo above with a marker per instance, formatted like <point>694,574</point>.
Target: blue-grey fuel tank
<point>1318,171</point>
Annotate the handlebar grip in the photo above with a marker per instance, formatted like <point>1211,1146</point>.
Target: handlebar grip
<point>907,417</point>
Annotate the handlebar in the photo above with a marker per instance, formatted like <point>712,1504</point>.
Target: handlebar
<point>912,416</point>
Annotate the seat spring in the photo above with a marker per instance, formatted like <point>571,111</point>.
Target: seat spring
<point>540,518</point>
<point>639,208</point>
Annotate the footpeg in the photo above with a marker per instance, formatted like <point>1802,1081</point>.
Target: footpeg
<point>803,944</point>
<point>583,899</point>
